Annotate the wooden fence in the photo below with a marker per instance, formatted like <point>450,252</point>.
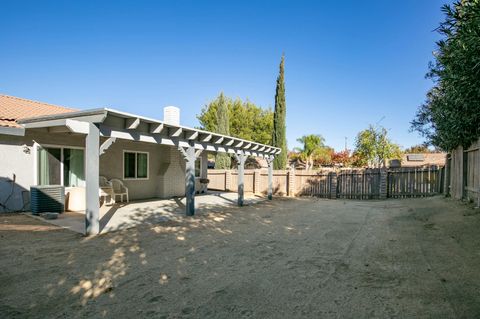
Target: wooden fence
<point>313,184</point>
<point>358,184</point>
<point>330,183</point>
<point>415,182</point>
<point>462,178</point>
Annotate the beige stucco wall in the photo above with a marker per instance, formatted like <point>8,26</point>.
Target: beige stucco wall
<point>166,171</point>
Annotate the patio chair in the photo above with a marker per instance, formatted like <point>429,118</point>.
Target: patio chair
<point>105,190</point>
<point>118,189</point>
<point>103,181</point>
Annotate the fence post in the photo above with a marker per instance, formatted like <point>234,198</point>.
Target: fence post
<point>446,180</point>
<point>228,180</point>
<point>383,183</point>
<point>291,182</point>
<point>333,185</point>
<point>256,181</point>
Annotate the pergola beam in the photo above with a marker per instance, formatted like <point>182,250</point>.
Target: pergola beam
<point>207,138</point>
<point>77,121</point>
<point>175,132</point>
<point>132,123</point>
<point>192,135</point>
<point>134,135</point>
<point>156,128</point>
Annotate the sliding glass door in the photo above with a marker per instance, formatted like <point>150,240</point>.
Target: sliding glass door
<point>61,166</point>
<point>49,166</point>
<point>73,167</point>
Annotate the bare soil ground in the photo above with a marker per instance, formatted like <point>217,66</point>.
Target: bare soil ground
<point>290,258</point>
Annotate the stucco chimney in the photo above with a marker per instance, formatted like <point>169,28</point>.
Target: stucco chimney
<point>171,115</point>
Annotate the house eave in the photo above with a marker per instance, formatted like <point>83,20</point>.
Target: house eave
<point>15,131</point>
<point>175,133</point>
<point>92,116</point>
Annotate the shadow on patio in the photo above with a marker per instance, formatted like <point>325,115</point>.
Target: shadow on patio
<point>150,212</point>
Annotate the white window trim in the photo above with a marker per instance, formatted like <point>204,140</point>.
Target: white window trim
<point>37,145</point>
<point>199,159</point>
<point>135,178</point>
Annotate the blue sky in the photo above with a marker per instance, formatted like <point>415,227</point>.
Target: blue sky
<point>348,63</point>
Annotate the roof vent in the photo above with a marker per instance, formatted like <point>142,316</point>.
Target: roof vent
<point>415,157</point>
<point>171,115</point>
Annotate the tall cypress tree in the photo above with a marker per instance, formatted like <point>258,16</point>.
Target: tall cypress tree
<point>222,160</point>
<point>279,138</point>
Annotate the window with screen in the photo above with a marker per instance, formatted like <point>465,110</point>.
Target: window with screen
<point>135,165</point>
<point>61,166</point>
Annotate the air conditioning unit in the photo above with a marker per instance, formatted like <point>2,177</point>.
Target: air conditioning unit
<point>47,198</point>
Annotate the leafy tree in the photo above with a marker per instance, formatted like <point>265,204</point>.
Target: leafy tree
<point>450,116</point>
<point>373,148</point>
<point>313,150</point>
<point>279,138</point>
<point>420,148</point>
<point>246,120</point>
<point>251,122</point>
<point>342,158</point>
<point>323,157</point>
<point>223,160</point>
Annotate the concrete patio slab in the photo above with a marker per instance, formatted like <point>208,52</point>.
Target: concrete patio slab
<point>153,211</point>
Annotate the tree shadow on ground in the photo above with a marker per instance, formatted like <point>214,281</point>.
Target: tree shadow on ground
<point>87,276</point>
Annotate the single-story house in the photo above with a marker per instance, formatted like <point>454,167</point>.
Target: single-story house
<point>423,159</point>
<point>43,144</point>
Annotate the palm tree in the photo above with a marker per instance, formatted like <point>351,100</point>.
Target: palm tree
<point>313,148</point>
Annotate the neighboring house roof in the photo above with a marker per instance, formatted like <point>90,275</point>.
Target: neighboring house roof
<point>13,109</point>
<point>423,159</point>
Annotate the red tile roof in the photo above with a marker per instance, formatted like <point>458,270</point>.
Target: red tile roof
<point>15,108</point>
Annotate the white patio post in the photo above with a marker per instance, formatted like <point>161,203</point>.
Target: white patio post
<point>190,155</point>
<point>270,177</point>
<point>241,173</point>
<point>190,182</point>
<point>92,216</point>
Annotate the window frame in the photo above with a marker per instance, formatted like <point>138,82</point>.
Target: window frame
<point>199,159</point>
<point>37,146</point>
<point>136,167</point>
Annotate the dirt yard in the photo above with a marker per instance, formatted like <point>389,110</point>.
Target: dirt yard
<point>289,258</point>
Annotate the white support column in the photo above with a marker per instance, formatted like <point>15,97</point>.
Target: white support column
<point>190,182</point>
<point>241,157</point>
<point>204,165</point>
<point>270,177</point>
<point>92,156</point>
<point>190,155</point>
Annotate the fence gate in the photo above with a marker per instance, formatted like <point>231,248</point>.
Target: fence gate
<point>359,184</point>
